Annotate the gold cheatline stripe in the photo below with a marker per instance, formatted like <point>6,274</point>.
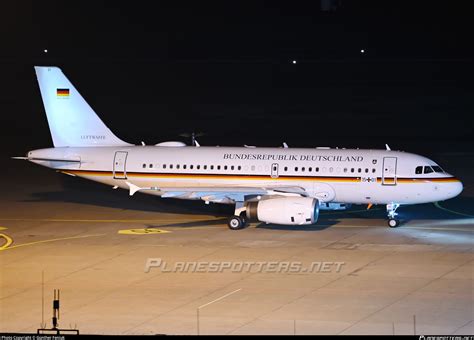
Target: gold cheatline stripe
<point>211,176</point>
<point>257,177</point>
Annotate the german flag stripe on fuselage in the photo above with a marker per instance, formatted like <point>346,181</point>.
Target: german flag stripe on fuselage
<point>340,179</point>
<point>62,92</point>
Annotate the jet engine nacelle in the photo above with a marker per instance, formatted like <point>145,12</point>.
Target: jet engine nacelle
<point>285,210</point>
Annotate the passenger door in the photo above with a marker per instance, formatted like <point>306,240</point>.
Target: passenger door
<point>389,171</point>
<point>120,161</point>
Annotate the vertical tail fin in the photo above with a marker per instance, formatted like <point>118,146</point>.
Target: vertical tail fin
<point>71,120</point>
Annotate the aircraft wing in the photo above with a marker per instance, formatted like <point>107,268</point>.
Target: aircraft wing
<point>221,194</point>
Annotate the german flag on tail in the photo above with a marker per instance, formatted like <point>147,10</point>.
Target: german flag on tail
<point>63,93</point>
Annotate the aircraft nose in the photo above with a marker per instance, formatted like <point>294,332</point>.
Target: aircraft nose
<point>455,188</point>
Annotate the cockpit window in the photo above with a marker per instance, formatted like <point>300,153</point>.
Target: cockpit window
<point>428,170</point>
<point>437,168</point>
<point>419,170</point>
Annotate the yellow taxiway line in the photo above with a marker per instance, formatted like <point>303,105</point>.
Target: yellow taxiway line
<point>8,240</point>
<point>47,241</point>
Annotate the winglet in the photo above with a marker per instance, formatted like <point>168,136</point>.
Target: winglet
<point>133,188</point>
<point>387,147</point>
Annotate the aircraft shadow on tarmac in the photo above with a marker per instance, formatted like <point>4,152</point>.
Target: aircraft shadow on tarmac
<point>193,224</point>
<point>83,192</point>
<point>321,225</point>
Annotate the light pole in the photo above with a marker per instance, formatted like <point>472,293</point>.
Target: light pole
<point>207,304</point>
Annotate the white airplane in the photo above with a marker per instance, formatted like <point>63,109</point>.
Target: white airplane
<point>274,185</point>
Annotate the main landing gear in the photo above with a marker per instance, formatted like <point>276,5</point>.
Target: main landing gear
<point>237,221</point>
<point>393,222</point>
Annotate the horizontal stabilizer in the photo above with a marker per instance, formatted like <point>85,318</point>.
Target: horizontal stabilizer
<point>48,159</point>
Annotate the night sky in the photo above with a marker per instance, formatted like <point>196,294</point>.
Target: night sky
<point>153,70</point>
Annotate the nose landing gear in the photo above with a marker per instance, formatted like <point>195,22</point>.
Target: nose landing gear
<point>393,222</point>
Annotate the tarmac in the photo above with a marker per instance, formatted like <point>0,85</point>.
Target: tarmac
<point>352,274</point>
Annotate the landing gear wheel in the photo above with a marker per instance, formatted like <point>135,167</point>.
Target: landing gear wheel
<point>236,223</point>
<point>393,223</point>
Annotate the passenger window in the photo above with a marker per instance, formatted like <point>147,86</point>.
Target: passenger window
<point>198,167</point>
<point>286,168</point>
<point>232,167</point>
<point>184,166</point>
<point>302,169</point>
<point>345,169</point>
<point>177,166</point>
<point>352,169</point>
<point>419,170</point>
<point>373,170</point>
<point>428,170</point>
<point>296,168</point>
<point>164,166</point>
<point>171,166</point>
<point>191,166</point>
<point>310,169</point>
<point>359,170</point>
<point>218,167</point>
<point>144,165</point>
<point>239,167</point>
<point>212,167</point>
<point>366,170</point>
<point>317,169</point>
<point>205,167</point>
<point>225,167</point>
<point>150,165</point>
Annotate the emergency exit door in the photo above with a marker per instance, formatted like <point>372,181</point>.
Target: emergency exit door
<point>120,161</point>
<point>275,170</point>
<point>389,171</point>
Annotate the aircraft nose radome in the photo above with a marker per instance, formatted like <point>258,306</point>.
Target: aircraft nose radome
<point>455,189</point>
